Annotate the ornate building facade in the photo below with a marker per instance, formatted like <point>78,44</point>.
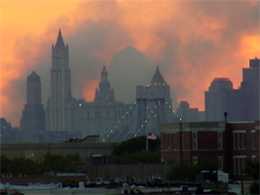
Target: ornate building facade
<point>59,105</point>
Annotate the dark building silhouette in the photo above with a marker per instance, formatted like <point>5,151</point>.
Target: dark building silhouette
<point>241,104</point>
<point>104,92</point>
<point>33,115</point>
<point>249,92</point>
<point>189,114</point>
<point>59,102</point>
<point>217,99</point>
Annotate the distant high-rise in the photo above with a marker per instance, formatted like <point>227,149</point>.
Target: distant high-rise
<point>154,104</point>
<point>241,104</point>
<point>58,107</point>
<point>217,99</point>
<point>33,116</point>
<point>104,93</point>
<point>249,91</point>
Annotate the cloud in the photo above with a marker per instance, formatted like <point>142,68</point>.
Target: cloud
<point>192,41</point>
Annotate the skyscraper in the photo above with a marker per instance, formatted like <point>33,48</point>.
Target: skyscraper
<point>218,99</point>
<point>154,104</point>
<point>241,104</point>
<point>250,91</point>
<point>59,102</point>
<point>33,116</point>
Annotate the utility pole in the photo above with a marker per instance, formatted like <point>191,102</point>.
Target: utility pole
<point>180,144</point>
<point>146,144</point>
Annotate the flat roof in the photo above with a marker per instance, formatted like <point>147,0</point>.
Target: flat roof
<point>205,126</point>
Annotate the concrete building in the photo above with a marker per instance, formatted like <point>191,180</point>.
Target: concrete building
<point>218,99</point>
<point>249,91</point>
<point>154,104</point>
<point>240,104</point>
<point>33,115</point>
<point>59,105</point>
<point>228,146</point>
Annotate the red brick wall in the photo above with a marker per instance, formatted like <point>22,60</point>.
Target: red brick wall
<point>207,140</point>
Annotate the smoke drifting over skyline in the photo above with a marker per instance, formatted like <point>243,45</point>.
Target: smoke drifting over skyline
<point>191,41</point>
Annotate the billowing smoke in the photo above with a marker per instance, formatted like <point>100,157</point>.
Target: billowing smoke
<point>191,41</point>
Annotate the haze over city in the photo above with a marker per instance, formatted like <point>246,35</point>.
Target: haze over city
<point>129,97</point>
<point>192,42</point>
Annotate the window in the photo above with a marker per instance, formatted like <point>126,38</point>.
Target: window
<point>253,140</point>
<point>220,140</point>
<point>220,162</point>
<point>194,141</point>
<point>239,140</point>
<point>239,164</point>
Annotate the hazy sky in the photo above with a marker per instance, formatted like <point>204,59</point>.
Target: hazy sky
<point>193,41</point>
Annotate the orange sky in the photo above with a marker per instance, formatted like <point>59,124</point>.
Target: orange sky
<point>27,26</point>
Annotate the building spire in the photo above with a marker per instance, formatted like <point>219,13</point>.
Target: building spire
<point>60,41</point>
<point>104,73</point>
<point>158,78</point>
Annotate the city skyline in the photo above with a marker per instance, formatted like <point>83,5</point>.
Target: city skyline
<point>95,87</point>
<point>170,38</point>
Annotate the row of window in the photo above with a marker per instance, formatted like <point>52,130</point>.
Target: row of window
<point>240,141</point>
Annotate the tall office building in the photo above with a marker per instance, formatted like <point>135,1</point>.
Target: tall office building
<point>218,99</point>
<point>242,104</point>
<point>33,115</point>
<point>249,91</point>
<point>154,104</point>
<point>59,103</point>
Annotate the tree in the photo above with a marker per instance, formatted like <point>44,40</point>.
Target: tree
<point>133,150</point>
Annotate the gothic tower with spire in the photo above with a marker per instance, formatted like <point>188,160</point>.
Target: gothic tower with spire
<point>60,99</point>
<point>104,92</point>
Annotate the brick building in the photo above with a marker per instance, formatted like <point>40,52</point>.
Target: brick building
<point>229,146</point>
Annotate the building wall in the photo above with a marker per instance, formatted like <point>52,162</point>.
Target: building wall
<point>95,118</point>
<point>228,146</point>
